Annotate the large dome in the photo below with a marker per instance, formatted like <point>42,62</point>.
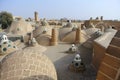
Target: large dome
<point>20,27</point>
<point>27,65</point>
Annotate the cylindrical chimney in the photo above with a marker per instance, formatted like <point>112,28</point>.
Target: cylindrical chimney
<point>78,36</point>
<point>36,16</point>
<point>54,39</point>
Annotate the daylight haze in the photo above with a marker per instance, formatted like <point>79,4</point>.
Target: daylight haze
<point>56,9</point>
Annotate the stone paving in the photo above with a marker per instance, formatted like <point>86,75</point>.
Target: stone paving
<point>61,60</point>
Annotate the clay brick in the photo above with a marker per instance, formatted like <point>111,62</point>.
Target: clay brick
<point>25,66</point>
<point>33,72</point>
<point>78,35</point>
<point>54,38</point>
<point>118,34</point>
<point>32,67</point>
<point>109,71</point>
<point>12,73</point>
<point>99,53</point>
<point>112,61</point>
<point>33,55</point>
<point>26,72</point>
<point>101,76</point>
<point>18,72</point>
<point>21,67</point>
<point>36,62</point>
<point>118,78</point>
<point>30,61</point>
<point>115,41</point>
<point>114,50</point>
<point>4,75</point>
<point>23,60</point>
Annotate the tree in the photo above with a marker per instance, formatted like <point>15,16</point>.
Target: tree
<point>5,19</point>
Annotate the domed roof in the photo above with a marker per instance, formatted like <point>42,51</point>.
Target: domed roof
<point>43,39</point>
<point>42,30</point>
<point>20,27</point>
<point>44,22</point>
<point>66,33</point>
<point>69,24</point>
<point>63,32</point>
<point>43,35</point>
<point>68,38</point>
<point>27,65</point>
<point>90,31</point>
<point>37,48</point>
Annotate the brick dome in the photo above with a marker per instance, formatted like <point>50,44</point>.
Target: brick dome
<point>40,30</point>
<point>27,65</point>
<point>43,35</point>
<point>20,27</point>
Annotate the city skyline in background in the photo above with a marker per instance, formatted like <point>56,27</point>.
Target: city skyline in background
<point>56,9</point>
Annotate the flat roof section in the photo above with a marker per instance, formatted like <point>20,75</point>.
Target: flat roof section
<point>106,38</point>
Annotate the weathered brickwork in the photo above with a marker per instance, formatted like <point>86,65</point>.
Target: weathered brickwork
<point>27,65</point>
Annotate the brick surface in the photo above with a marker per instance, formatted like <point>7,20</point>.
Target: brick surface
<point>25,64</point>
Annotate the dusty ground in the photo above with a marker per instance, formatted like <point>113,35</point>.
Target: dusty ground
<point>61,61</point>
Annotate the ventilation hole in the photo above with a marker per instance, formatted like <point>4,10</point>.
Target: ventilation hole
<point>76,58</point>
<point>5,38</point>
<point>9,45</point>
<point>76,64</point>
<point>5,43</point>
<point>4,49</point>
<point>81,63</point>
<point>9,41</point>
<point>44,32</point>
<point>18,29</point>
<point>14,47</point>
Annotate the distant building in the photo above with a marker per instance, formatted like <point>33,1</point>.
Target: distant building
<point>97,22</point>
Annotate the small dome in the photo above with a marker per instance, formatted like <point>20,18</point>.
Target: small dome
<point>44,22</point>
<point>69,25</point>
<point>41,30</point>
<point>66,33</point>
<point>27,65</point>
<point>63,32</point>
<point>43,39</point>
<point>43,35</point>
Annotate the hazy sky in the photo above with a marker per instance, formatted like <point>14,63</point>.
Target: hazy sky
<point>72,9</point>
